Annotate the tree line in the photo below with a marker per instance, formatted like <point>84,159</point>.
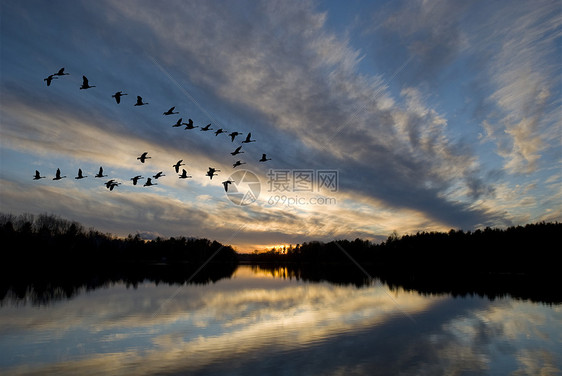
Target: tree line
<point>531,249</point>
<point>519,261</point>
<point>51,239</point>
<point>56,257</point>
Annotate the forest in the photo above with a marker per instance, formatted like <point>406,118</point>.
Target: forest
<point>529,249</point>
<point>57,257</point>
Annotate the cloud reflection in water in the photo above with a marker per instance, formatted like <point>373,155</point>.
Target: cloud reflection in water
<point>255,323</point>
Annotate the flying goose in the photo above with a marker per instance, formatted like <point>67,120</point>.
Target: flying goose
<point>264,158</point>
<point>177,165</point>
<point>178,123</point>
<point>189,125</point>
<point>113,185</point>
<point>100,173</point>
<point>109,182</point>
<point>80,176</point>
<point>226,183</point>
<point>206,128</point>
<point>238,163</point>
<point>85,84</point>
<point>184,174</point>
<point>248,137</point>
<point>49,79</point>
<point>211,172</point>
<point>117,96</point>
<point>136,179</point>
<point>237,151</point>
<point>143,157</point>
<point>139,101</point>
<point>233,135</point>
<point>170,111</point>
<point>160,174</point>
<point>149,183</point>
<point>37,176</point>
<point>57,176</point>
<point>61,73</point>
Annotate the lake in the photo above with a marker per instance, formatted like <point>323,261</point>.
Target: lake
<point>264,321</point>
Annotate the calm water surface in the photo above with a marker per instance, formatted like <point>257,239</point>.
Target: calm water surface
<point>260,323</point>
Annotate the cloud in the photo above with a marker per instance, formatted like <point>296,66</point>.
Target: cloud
<point>194,330</point>
<point>142,329</point>
<point>278,70</point>
<point>521,70</point>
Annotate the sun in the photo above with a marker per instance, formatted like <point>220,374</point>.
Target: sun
<point>278,248</point>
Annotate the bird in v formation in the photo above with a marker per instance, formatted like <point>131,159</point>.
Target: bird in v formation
<point>111,184</point>
<point>80,175</point>
<point>184,174</point>
<point>226,183</point>
<point>143,157</point>
<point>118,96</point>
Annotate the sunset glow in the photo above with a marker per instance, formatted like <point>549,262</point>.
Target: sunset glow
<point>363,118</point>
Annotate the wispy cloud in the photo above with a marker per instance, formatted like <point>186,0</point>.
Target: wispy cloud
<point>309,96</point>
<point>523,70</point>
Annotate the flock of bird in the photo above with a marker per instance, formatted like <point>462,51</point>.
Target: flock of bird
<point>112,183</point>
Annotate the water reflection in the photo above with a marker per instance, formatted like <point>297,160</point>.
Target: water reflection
<point>536,288</point>
<point>43,288</point>
<point>46,288</point>
<point>258,322</point>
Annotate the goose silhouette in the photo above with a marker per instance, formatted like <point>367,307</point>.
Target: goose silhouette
<point>248,139</point>
<point>226,183</point>
<point>189,125</point>
<point>219,131</point>
<point>118,96</point>
<point>264,158</point>
<point>158,175</point>
<point>61,73</point>
<point>184,174</point>
<point>238,163</point>
<point>207,128</point>
<point>37,176</point>
<point>85,84</point>
<point>178,123</point>
<point>149,183</point>
<point>234,134</point>
<point>212,172</point>
<point>237,151</point>
<point>100,173</point>
<point>49,79</point>
<point>109,183</point>
<point>113,185</point>
<point>57,175</point>
<point>140,102</point>
<point>177,165</point>
<point>136,179</point>
<point>143,157</point>
<point>170,111</point>
<point>80,176</point>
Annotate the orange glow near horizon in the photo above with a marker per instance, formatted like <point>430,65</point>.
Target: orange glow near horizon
<point>278,247</point>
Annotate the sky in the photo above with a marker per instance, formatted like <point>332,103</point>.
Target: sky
<point>377,116</point>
